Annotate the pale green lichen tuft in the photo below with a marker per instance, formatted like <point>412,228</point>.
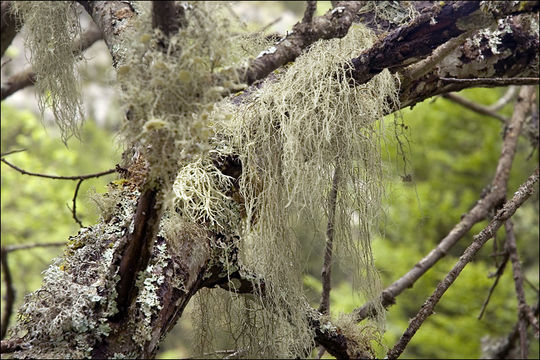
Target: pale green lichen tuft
<point>170,90</point>
<point>51,28</point>
<point>290,136</point>
<point>71,311</point>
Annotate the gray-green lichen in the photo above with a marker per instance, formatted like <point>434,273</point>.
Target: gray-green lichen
<point>71,310</point>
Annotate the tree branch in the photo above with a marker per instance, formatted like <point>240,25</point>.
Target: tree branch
<point>9,27</point>
<point>481,109</point>
<point>415,41</point>
<point>489,82</point>
<point>498,274</point>
<point>27,77</point>
<point>334,24</point>
<point>491,200</point>
<point>509,208</point>
<point>311,7</point>
<point>10,294</point>
<point>525,312</point>
<point>76,177</point>
<point>167,17</point>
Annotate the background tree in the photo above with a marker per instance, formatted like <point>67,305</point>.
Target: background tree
<point>217,199</point>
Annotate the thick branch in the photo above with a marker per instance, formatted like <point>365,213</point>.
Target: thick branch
<point>334,24</point>
<point>480,210</point>
<point>112,18</point>
<point>416,40</point>
<point>520,196</point>
<point>27,77</point>
<point>9,26</point>
<point>167,17</point>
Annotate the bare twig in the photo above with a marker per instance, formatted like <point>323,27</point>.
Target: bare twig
<point>481,109</point>
<point>494,81</point>
<point>76,177</point>
<point>12,152</point>
<point>74,201</point>
<point>480,210</point>
<point>518,282</point>
<point>311,7</point>
<point>508,96</point>
<point>9,297</point>
<point>27,77</point>
<point>11,248</point>
<point>509,208</point>
<point>498,274</point>
<point>324,308</point>
<point>525,312</point>
<point>503,351</point>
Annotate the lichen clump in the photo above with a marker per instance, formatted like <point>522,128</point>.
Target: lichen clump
<point>291,136</point>
<point>71,311</point>
<point>51,28</point>
<point>169,85</point>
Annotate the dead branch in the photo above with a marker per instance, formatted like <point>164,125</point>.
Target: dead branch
<point>11,248</point>
<point>509,208</point>
<point>9,297</point>
<point>76,177</point>
<point>508,96</point>
<point>479,82</point>
<point>498,274</point>
<point>525,312</point>
<point>481,109</point>
<point>311,7</point>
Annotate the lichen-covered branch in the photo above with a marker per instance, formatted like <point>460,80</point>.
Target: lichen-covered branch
<point>112,18</point>
<point>415,41</point>
<point>333,24</point>
<point>509,208</point>
<point>491,200</point>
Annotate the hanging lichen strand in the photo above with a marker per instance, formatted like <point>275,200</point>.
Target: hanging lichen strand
<point>50,30</point>
<point>290,136</point>
<point>168,92</point>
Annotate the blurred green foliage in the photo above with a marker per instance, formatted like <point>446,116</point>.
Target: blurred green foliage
<point>34,209</point>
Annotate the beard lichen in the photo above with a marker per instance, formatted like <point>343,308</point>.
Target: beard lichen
<point>291,135</point>
<point>51,28</point>
<point>170,89</point>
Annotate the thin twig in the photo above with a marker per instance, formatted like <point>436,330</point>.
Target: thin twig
<point>11,248</point>
<point>508,96</point>
<point>12,152</point>
<point>494,81</point>
<point>74,201</point>
<point>525,312</point>
<point>503,352</point>
<point>9,297</point>
<point>484,110</point>
<point>498,274</point>
<point>76,177</point>
<point>509,208</point>
<point>311,7</point>
<point>518,282</point>
<point>496,194</point>
<point>324,308</point>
